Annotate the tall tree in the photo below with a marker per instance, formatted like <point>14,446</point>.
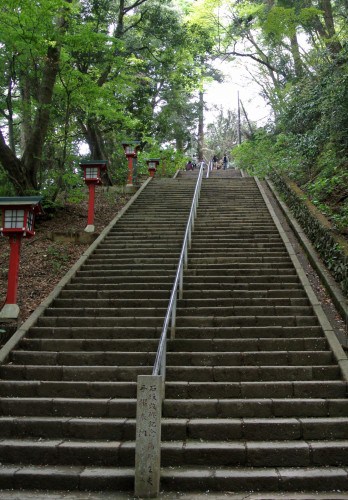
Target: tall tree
<point>32,39</point>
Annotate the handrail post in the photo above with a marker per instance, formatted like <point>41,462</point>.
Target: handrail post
<point>172,329</point>
<point>181,283</point>
<point>148,436</point>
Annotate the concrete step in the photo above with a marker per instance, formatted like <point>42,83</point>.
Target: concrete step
<point>191,345</point>
<point>252,310</point>
<point>252,331</point>
<point>95,332</point>
<point>69,373</point>
<point>256,408</point>
<point>174,390</point>
<point>229,429</point>
<point>187,359</point>
<point>108,321</point>
<point>240,390</point>
<point>237,321</point>
<point>83,358</point>
<point>68,407</point>
<point>251,373</point>
<point>260,479</point>
<point>213,334</point>
<point>60,477</point>
<point>216,454</point>
<point>106,312</point>
<point>235,301</point>
<point>237,453</point>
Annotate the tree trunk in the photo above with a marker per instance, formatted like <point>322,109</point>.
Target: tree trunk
<point>295,50</point>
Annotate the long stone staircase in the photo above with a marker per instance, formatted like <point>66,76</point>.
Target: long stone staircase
<point>255,400</point>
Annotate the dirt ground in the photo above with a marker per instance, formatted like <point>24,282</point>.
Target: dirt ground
<point>44,262</point>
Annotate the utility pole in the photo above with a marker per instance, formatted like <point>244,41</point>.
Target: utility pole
<point>200,125</point>
<point>246,117</point>
<point>239,125</point>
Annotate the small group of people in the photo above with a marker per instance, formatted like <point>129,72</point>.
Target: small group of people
<point>190,165</point>
<point>217,164</point>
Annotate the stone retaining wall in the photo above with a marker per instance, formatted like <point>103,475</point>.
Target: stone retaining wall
<point>331,247</point>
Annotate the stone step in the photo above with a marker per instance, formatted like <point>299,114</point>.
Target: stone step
<point>250,261</point>
<point>206,359</point>
<point>132,281</point>
<point>244,301</point>
<point>241,310</point>
<point>268,271</point>
<point>258,479</point>
<point>167,267</point>
<point>140,271</point>
<point>68,407</point>
<point>157,283</point>
<point>290,284</point>
<point>237,252</point>
<point>107,312</point>
<point>234,279</point>
<point>210,296</point>
<point>72,478</point>
<point>174,390</point>
<point>129,258</point>
<point>133,303</point>
<point>238,321</point>
<point>96,332</point>
<point>85,321</point>
<point>108,308</point>
<point>84,358</point>
<point>262,333</point>
<point>126,295</point>
<point>192,345</point>
<point>245,390</point>
<point>251,331</point>
<point>215,453</point>
<point>251,373</point>
<point>68,389</point>
<point>101,373</point>
<point>255,408</point>
<point>256,429</point>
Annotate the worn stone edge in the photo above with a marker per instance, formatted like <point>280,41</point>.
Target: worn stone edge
<point>23,329</point>
<point>331,285</point>
<point>331,338</point>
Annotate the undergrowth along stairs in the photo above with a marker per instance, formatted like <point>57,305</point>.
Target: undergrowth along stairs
<point>68,389</point>
<point>255,399</point>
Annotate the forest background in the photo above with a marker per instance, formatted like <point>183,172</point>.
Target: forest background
<point>84,75</point>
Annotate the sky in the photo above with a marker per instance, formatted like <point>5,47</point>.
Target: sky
<point>237,79</point>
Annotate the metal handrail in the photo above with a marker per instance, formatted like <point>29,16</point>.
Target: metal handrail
<point>209,168</point>
<point>160,361</point>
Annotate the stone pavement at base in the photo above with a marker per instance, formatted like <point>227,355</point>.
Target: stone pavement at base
<point>63,495</point>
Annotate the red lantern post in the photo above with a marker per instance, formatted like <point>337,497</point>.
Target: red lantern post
<point>131,152</point>
<point>92,172</point>
<point>18,216</point>
<point>152,165</point>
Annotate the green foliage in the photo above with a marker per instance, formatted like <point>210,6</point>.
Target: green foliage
<point>6,188</point>
<point>171,160</point>
<point>58,256</point>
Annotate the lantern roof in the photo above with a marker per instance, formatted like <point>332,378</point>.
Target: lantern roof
<point>93,162</point>
<point>129,142</point>
<point>26,201</point>
<point>153,159</point>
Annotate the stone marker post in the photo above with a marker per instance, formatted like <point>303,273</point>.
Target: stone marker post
<point>148,436</point>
